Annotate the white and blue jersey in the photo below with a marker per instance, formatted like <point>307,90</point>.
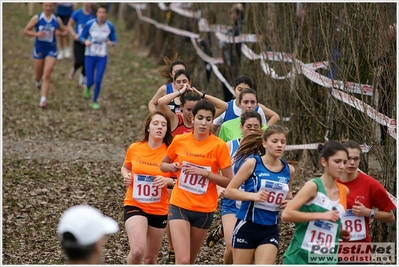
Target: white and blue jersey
<point>48,41</point>
<point>98,35</point>
<point>80,19</point>
<point>277,184</point>
<point>230,114</point>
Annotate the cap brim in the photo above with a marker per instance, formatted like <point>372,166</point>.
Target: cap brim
<point>110,225</point>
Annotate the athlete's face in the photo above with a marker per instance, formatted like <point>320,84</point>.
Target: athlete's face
<point>335,166</point>
<point>48,8</point>
<point>187,109</point>
<point>239,88</point>
<point>353,160</point>
<point>175,69</point>
<point>180,81</point>
<point>101,14</point>
<point>275,144</point>
<point>203,121</point>
<point>251,125</point>
<point>158,127</point>
<point>86,5</point>
<point>248,102</point>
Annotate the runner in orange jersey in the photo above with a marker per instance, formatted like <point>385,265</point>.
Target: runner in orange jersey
<point>196,158</point>
<point>146,201</point>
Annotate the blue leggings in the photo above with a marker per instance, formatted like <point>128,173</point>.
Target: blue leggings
<point>92,63</point>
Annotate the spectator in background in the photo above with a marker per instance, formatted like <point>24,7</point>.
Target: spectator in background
<point>82,230</point>
<point>206,43</point>
<point>232,51</point>
<point>64,11</point>
<point>75,26</point>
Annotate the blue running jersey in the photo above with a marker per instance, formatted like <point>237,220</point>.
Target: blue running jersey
<point>48,41</point>
<point>277,184</point>
<point>80,19</point>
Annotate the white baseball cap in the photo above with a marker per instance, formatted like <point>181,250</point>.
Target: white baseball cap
<point>87,224</point>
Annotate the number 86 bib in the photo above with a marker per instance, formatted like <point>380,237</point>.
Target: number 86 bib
<point>356,225</point>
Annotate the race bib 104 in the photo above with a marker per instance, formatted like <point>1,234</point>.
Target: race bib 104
<point>193,183</point>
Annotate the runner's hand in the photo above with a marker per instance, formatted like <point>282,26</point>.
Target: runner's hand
<point>261,196</point>
<point>332,215</point>
<point>345,235</point>
<point>127,180</point>
<point>175,167</point>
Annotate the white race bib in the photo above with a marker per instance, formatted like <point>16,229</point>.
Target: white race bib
<point>239,202</point>
<point>98,49</point>
<point>48,34</point>
<point>355,225</point>
<point>277,194</point>
<point>193,183</point>
<point>320,233</point>
<point>144,189</point>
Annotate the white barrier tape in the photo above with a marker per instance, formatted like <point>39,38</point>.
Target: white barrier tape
<point>242,38</point>
<point>392,132</point>
<point>162,6</point>
<point>141,6</point>
<point>305,69</point>
<point>182,5</point>
<point>186,13</point>
<point>203,26</point>
<point>176,7</point>
<point>215,69</point>
<point>165,27</point>
<point>273,56</point>
<point>317,65</point>
<point>365,108</point>
<point>365,148</point>
<point>308,70</point>
<point>393,198</point>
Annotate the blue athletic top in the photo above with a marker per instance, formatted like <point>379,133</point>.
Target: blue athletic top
<point>172,105</point>
<point>234,147</point>
<point>48,41</point>
<point>64,9</point>
<point>98,35</point>
<point>229,113</point>
<point>80,19</point>
<point>276,183</point>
